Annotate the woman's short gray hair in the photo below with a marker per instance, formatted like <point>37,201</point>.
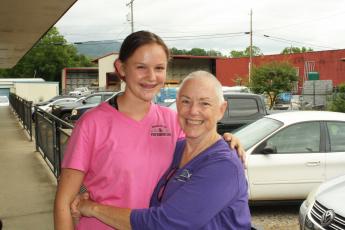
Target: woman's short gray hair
<point>207,76</point>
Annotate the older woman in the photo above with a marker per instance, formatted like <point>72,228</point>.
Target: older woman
<point>205,187</point>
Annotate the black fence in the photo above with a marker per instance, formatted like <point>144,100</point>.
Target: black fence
<point>51,134</point>
<point>23,110</point>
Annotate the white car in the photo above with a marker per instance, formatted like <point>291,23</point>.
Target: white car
<point>47,106</point>
<point>82,91</point>
<point>290,153</point>
<point>4,101</point>
<point>325,206</point>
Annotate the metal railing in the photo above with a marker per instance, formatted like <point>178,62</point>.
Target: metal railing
<point>23,110</point>
<point>51,134</point>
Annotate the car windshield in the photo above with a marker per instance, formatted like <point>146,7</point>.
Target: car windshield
<point>80,99</point>
<point>172,106</point>
<point>256,131</point>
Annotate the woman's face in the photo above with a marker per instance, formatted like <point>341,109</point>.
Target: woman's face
<point>145,71</point>
<point>199,108</point>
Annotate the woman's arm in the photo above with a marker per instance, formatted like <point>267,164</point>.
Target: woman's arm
<point>68,187</point>
<point>196,202</point>
<point>193,205</point>
<point>113,216</point>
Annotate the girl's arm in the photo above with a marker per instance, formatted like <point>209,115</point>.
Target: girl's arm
<point>68,187</point>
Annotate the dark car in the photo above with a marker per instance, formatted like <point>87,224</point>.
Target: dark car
<point>64,111</point>
<point>80,110</point>
<point>242,109</point>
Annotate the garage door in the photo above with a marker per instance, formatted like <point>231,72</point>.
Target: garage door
<point>4,92</point>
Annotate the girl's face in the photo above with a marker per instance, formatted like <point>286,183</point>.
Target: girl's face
<point>145,71</point>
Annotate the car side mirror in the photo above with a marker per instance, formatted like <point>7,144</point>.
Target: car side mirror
<point>269,150</point>
<point>265,149</point>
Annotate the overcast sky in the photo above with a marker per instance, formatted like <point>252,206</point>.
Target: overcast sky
<point>212,24</point>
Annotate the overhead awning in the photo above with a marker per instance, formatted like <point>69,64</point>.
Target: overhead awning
<point>23,23</point>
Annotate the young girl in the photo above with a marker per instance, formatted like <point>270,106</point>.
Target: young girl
<point>120,150</point>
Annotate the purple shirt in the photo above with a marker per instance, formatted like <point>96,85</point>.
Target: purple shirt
<point>209,192</point>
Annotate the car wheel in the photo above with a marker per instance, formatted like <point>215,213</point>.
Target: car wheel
<point>66,117</point>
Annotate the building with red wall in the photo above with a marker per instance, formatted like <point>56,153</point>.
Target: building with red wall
<point>329,64</point>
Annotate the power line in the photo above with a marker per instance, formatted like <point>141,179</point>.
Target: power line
<point>209,37</point>
<point>288,41</point>
<point>205,35</point>
<point>178,38</point>
<point>203,38</point>
<point>302,22</point>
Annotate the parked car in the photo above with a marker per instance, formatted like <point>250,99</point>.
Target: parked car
<point>64,111</point>
<point>236,89</point>
<point>54,99</point>
<point>290,153</point>
<point>324,207</point>
<point>80,110</point>
<point>81,91</point>
<point>47,106</point>
<point>166,95</point>
<point>4,101</point>
<point>242,109</point>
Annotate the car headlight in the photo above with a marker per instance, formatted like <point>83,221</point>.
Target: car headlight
<point>311,197</point>
<point>74,112</point>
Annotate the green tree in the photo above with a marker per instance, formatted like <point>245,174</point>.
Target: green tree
<point>195,52</point>
<point>338,103</point>
<point>47,58</point>
<point>178,52</point>
<point>214,53</point>
<point>245,53</point>
<point>198,52</point>
<point>273,78</point>
<point>293,50</point>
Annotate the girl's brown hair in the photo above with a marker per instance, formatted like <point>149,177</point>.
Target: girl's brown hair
<point>137,39</point>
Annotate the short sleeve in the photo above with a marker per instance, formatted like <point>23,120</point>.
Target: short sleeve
<point>79,148</point>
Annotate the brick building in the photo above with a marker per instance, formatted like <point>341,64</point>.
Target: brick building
<point>329,64</point>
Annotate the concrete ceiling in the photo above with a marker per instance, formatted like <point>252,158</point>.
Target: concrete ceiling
<point>23,23</point>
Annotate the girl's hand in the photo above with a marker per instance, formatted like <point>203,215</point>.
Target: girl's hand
<point>235,143</point>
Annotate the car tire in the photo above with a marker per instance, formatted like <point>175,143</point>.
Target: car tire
<point>66,117</point>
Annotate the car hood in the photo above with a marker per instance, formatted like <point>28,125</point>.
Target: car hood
<point>70,105</point>
<point>87,106</point>
<point>76,91</point>
<point>332,195</point>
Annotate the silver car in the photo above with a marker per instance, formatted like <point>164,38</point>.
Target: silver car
<point>325,206</point>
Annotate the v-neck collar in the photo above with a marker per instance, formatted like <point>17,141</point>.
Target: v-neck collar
<point>178,159</point>
<point>130,120</point>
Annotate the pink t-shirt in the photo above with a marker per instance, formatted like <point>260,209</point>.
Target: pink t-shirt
<point>123,159</point>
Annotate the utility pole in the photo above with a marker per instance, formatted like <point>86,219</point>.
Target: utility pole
<point>132,21</point>
<point>250,46</point>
